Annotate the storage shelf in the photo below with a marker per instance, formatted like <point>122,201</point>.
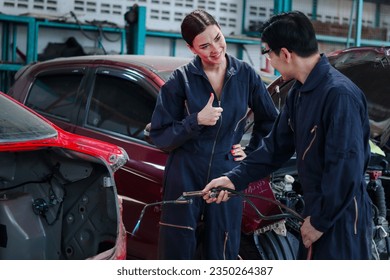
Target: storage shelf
<point>12,59</point>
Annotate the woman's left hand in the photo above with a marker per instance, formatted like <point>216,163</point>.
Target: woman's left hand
<point>238,152</point>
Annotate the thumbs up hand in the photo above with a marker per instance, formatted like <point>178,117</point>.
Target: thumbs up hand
<point>209,115</point>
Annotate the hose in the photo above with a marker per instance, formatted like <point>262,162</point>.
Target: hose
<point>185,199</point>
<point>177,201</point>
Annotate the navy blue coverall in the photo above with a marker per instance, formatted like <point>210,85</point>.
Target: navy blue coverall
<point>325,121</point>
<point>201,153</point>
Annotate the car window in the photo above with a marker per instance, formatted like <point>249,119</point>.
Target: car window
<point>55,95</point>
<point>18,124</point>
<point>120,106</point>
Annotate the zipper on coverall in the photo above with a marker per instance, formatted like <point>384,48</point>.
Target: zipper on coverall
<point>214,144</point>
<point>211,160</point>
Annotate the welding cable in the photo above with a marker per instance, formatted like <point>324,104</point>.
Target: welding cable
<point>291,213</point>
<point>186,199</point>
<point>177,201</point>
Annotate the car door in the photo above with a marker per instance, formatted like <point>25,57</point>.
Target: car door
<point>118,106</point>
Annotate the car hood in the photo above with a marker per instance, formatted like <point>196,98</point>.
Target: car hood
<point>367,67</point>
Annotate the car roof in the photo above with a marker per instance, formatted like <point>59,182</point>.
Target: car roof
<point>156,63</point>
<point>162,66</point>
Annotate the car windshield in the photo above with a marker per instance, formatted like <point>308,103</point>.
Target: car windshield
<point>18,124</point>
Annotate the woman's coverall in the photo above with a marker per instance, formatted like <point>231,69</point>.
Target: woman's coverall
<point>200,153</point>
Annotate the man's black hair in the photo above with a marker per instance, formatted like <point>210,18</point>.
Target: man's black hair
<point>291,30</point>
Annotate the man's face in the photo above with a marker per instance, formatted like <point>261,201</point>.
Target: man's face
<point>278,61</point>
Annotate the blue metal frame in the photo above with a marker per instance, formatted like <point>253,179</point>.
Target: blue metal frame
<point>9,22</point>
<point>176,36</point>
<point>9,36</point>
<point>140,36</point>
<point>359,16</point>
<point>281,6</point>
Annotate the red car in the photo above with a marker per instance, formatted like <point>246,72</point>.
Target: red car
<point>58,199</point>
<point>112,98</point>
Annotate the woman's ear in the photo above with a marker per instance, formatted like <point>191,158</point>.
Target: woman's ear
<point>191,49</point>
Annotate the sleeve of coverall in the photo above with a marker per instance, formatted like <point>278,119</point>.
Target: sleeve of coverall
<point>344,159</point>
<point>274,150</point>
<point>171,126</point>
<point>264,112</point>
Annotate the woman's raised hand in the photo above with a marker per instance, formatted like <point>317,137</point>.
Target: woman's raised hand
<point>209,115</point>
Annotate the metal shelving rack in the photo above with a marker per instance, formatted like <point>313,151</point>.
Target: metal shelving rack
<point>12,58</point>
<point>10,25</point>
<point>9,63</point>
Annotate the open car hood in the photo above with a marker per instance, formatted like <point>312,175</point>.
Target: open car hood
<point>368,67</point>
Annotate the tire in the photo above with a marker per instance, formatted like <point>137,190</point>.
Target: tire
<point>269,246</point>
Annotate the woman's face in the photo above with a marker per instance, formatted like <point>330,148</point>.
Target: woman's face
<point>210,45</point>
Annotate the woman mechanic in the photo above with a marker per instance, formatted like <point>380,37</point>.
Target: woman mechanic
<point>200,118</point>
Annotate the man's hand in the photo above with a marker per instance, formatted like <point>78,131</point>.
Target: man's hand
<point>218,182</point>
<point>209,115</point>
<point>309,233</point>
